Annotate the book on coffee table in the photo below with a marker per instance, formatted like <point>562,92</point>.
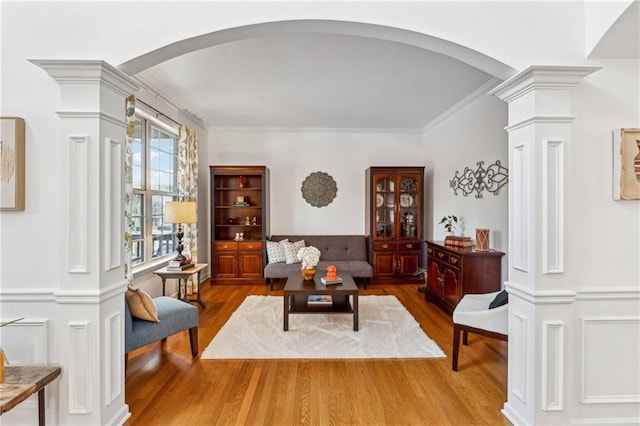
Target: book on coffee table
<point>327,281</point>
<point>319,300</point>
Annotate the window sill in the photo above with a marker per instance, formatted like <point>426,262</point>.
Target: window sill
<point>145,268</point>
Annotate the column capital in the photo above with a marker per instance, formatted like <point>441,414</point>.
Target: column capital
<point>541,77</point>
<point>74,71</point>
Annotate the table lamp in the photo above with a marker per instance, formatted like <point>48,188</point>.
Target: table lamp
<point>180,212</point>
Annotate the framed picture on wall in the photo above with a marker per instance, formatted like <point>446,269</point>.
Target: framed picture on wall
<point>11,163</point>
<point>626,164</point>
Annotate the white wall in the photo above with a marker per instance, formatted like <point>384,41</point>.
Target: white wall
<point>292,156</point>
<point>475,133</point>
<point>603,231</point>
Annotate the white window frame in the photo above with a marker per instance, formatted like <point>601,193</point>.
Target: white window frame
<point>148,261</point>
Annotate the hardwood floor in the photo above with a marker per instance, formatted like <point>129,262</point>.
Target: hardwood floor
<point>166,386</point>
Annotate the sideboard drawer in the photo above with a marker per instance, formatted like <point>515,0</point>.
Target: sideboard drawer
<point>250,245</point>
<point>441,255</point>
<point>225,246</point>
<point>454,260</point>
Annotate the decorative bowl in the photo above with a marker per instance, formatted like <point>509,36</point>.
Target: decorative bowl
<point>308,273</point>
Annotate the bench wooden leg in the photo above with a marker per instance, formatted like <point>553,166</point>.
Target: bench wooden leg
<point>193,339</point>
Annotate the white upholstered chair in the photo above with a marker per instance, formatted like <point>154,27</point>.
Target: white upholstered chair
<point>473,315</point>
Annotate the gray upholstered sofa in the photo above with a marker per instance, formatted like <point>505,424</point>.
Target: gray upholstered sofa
<point>347,252</point>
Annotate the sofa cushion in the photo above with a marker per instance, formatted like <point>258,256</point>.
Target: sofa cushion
<point>291,251</point>
<point>347,252</point>
<point>276,252</point>
<point>333,247</point>
<point>141,304</point>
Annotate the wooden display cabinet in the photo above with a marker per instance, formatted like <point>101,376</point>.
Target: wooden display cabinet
<point>453,272</point>
<point>395,211</point>
<point>239,223</point>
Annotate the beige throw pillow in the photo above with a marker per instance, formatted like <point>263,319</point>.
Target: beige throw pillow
<point>141,304</point>
<point>292,249</point>
<point>275,251</point>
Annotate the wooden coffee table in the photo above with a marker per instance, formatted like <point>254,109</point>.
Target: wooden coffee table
<point>297,291</point>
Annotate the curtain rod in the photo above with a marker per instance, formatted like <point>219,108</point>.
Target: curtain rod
<point>158,112</point>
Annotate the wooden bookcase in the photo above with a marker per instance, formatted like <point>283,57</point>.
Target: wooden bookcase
<point>239,260</point>
<point>395,211</point>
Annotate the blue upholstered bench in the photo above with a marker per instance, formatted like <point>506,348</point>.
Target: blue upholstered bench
<point>175,316</point>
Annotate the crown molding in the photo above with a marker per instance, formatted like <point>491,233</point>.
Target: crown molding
<point>72,71</point>
<point>480,91</point>
<point>539,77</point>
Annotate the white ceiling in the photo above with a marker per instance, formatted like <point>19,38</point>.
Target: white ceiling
<point>316,81</point>
<point>331,74</point>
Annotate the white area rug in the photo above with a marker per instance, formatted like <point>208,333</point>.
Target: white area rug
<point>387,330</point>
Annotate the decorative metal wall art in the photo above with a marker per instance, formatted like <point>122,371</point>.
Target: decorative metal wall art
<point>490,179</point>
<point>319,189</point>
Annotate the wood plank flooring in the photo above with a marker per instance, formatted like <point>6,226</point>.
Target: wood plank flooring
<point>166,386</point>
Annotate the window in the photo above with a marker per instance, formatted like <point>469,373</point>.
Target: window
<point>155,165</point>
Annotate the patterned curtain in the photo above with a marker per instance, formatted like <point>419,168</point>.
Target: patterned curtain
<point>128,185</point>
<point>188,185</point>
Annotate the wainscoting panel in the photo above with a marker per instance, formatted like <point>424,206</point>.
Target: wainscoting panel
<point>610,341</point>
<point>114,350</point>
<point>519,192</point>
<point>78,204</point>
<point>113,204</point>
<point>79,368</point>
<point>26,341</point>
<point>552,365</point>
<point>518,363</point>
<point>553,206</point>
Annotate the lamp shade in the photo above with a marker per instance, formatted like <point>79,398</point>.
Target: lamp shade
<point>180,212</point>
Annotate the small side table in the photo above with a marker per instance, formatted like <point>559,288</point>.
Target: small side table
<point>20,382</point>
<point>183,275</point>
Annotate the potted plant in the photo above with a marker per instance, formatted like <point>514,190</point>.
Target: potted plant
<point>448,222</point>
<point>3,358</point>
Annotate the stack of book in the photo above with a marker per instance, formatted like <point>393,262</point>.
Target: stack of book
<point>326,281</point>
<point>179,265</point>
<point>241,204</point>
<point>457,241</point>
<point>319,300</point>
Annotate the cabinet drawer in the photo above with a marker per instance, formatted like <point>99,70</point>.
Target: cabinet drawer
<point>441,255</point>
<point>385,246</point>
<point>408,246</point>
<point>225,245</point>
<point>454,260</point>
<point>250,245</point>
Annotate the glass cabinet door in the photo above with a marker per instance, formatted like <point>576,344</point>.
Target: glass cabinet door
<point>385,196</point>
<point>408,200</point>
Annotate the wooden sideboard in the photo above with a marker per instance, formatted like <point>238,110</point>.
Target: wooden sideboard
<point>453,272</point>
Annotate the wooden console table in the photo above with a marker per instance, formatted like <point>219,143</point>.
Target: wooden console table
<point>183,275</point>
<point>23,381</point>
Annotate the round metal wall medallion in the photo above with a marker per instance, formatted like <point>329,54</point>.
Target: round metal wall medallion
<point>319,189</point>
